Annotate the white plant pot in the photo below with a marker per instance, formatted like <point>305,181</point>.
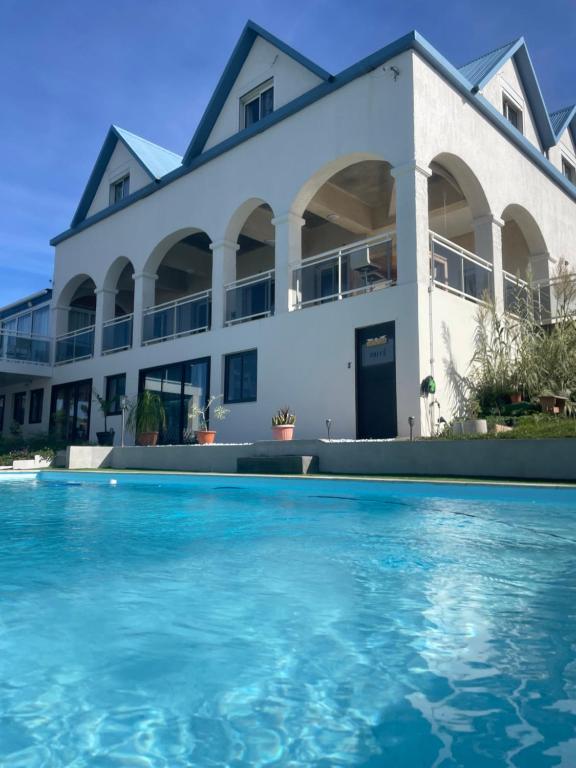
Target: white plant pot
<point>475,427</point>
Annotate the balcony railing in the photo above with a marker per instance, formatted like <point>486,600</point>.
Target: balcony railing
<point>22,348</point>
<point>459,271</point>
<point>547,299</point>
<point>250,298</point>
<point>117,334</point>
<point>360,267</point>
<point>182,317</point>
<point>74,346</point>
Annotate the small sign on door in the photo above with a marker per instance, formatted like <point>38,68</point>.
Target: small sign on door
<point>377,351</point>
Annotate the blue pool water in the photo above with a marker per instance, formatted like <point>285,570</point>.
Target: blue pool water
<point>244,623</point>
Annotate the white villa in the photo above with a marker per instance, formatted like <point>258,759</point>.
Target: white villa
<point>323,243</point>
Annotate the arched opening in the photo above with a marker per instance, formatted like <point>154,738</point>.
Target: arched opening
<point>455,200</point>
<point>524,261</point>
<point>118,300</point>
<point>182,264</point>
<point>251,295</point>
<point>348,237</point>
<point>75,323</point>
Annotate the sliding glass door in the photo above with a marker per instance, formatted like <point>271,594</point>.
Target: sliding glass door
<point>181,386</point>
<point>70,411</point>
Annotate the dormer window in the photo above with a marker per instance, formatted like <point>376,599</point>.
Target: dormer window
<point>569,170</point>
<point>512,113</point>
<point>256,104</point>
<point>120,189</point>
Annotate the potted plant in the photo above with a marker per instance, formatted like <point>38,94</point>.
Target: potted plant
<point>147,417</point>
<point>106,407</point>
<point>283,424</point>
<point>205,436</point>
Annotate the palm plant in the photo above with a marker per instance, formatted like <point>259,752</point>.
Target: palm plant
<point>147,413</point>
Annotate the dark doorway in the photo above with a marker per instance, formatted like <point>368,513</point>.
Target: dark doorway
<point>180,385</point>
<point>70,411</point>
<point>376,381</point>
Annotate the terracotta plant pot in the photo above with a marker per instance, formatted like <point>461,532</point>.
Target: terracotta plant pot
<point>515,397</point>
<point>283,432</point>
<point>205,436</point>
<point>147,438</point>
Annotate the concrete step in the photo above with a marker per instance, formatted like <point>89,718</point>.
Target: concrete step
<point>277,465</point>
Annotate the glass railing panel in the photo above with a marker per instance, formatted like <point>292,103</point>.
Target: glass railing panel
<point>77,345</point>
<point>250,299</point>
<point>459,271</point>
<point>26,349</point>
<point>190,314</point>
<point>357,268</point>
<point>117,334</point>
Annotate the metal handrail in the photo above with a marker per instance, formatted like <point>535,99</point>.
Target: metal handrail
<point>4,352</point>
<point>345,250</point>
<point>117,320</point>
<point>468,255</point>
<point>250,280</point>
<point>177,302</point>
<point>78,331</point>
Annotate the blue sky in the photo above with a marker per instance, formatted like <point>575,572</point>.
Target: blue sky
<point>68,69</point>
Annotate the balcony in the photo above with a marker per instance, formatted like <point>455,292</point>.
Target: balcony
<point>458,271</point>
<point>250,298</point>
<point>74,346</point>
<point>23,348</point>
<point>173,319</point>
<point>117,334</point>
<point>361,267</point>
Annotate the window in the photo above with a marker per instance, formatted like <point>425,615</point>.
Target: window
<point>512,113</point>
<point>257,104</point>
<point>2,407</point>
<point>120,189</point>
<point>36,403</point>
<point>240,377</point>
<point>115,389</point>
<point>18,413</point>
<point>569,170</point>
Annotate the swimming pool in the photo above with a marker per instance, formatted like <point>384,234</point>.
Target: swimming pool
<point>162,621</point>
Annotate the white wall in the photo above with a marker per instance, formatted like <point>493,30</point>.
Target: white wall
<point>121,162</point>
<point>264,61</point>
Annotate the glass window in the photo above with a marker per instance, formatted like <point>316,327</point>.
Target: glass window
<point>36,405</point>
<point>120,189</point>
<point>257,104</point>
<point>2,408</point>
<point>19,407</point>
<point>70,411</point>
<point>115,390</point>
<point>240,375</point>
<point>568,170</point>
<point>513,114</point>
<point>41,322</point>
<point>25,324</point>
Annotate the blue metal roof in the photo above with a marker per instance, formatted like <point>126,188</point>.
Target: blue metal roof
<point>155,160</point>
<point>477,69</point>
<point>411,41</point>
<point>28,302</point>
<point>562,118</point>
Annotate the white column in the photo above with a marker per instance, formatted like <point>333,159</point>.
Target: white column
<point>287,255</point>
<point>488,245</point>
<point>412,222</point>
<point>105,306</point>
<point>144,297</point>
<point>223,273</point>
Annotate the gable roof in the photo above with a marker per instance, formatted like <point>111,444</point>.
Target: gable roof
<point>482,70</point>
<point>155,160</point>
<point>562,119</point>
<point>239,55</point>
<point>412,41</point>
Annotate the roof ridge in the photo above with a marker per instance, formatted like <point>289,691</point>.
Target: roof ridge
<point>490,53</point>
<point>147,141</point>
